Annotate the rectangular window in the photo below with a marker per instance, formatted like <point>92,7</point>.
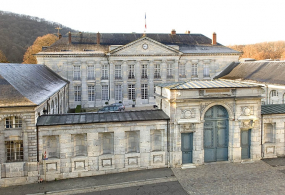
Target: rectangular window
<point>194,70</point>
<point>105,71</point>
<point>91,93</point>
<point>133,141</point>
<point>156,140</point>
<point>107,143</point>
<point>90,72</point>
<point>14,151</point>
<point>77,93</point>
<point>169,71</point>
<point>13,122</point>
<point>157,71</point>
<point>131,91</point>
<point>118,92</point>
<point>182,71</point>
<point>144,91</point>
<point>144,71</point>
<point>76,72</point>
<point>206,70</point>
<point>79,144</point>
<point>118,72</point>
<point>105,94</point>
<point>131,72</point>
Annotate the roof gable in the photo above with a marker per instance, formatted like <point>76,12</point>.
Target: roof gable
<point>145,46</point>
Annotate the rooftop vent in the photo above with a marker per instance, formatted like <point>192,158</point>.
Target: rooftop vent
<point>173,32</point>
<point>214,40</point>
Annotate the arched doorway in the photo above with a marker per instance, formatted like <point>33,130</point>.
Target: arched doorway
<point>216,134</point>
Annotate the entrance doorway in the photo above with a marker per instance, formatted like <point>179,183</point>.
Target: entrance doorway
<point>187,147</point>
<point>216,134</point>
<point>245,140</point>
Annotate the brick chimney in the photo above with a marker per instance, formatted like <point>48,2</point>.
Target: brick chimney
<point>214,40</point>
<point>173,32</point>
<point>69,37</point>
<point>98,38</point>
<point>187,32</point>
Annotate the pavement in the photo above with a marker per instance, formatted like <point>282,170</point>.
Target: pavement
<point>261,177</point>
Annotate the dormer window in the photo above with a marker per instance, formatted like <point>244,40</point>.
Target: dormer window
<point>13,122</point>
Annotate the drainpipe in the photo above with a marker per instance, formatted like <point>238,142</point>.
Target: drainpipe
<point>168,144</point>
<point>38,144</point>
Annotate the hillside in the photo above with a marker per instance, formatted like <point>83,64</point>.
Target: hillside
<point>260,51</point>
<point>18,32</point>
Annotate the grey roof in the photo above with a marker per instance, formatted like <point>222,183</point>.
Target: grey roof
<point>188,43</point>
<point>273,109</point>
<point>259,71</point>
<point>83,118</point>
<point>226,70</point>
<point>27,84</point>
<point>204,85</point>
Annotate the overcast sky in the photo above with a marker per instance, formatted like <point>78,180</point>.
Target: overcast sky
<point>234,21</point>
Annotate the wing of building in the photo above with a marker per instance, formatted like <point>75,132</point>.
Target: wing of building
<point>114,67</point>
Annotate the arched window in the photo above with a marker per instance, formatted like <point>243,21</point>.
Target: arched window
<point>13,122</point>
<point>55,108</point>
<point>273,97</point>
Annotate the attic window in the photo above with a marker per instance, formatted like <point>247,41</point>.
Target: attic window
<point>13,122</point>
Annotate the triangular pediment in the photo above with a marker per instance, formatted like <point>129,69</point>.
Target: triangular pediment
<point>145,46</point>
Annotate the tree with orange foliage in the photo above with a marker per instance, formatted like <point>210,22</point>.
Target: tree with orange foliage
<point>45,40</point>
<point>3,58</point>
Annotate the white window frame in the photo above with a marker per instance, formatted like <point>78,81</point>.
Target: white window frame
<point>76,72</point>
<point>195,70</point>
<point>169,71</point>
<point>157,71</point>
<point>144,71</point>
<point>206,71</point>
<point>105,92</point>
<point>77,93</point>
<point>104,71</point>
<point>182,71</point>
<point>118,71</point>
<point>131,71</point>
<point>91,93</point>
<point>90,72</point>
<point>12,122</point>
<point>132,91</point>
<point>144,91</point>
<point>118,92</point>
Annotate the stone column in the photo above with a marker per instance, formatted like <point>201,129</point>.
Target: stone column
<point>150,83</point>
<point>163,68</point>
<point>97,84</point>
<point>111,82</point>
<point>138,81</point>
<point>84,89</point>
<point>125,73</point>
<point>175,69</point>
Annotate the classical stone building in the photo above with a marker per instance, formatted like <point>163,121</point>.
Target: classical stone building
<point>212,121</point>
<point>26,92</point>
<point>114,67</point>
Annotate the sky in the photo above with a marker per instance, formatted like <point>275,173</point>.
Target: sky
<point>235,22</point>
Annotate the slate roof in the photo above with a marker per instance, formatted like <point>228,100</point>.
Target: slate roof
<point>260,71</point>
<point>204,85</point>
<point>273,109</point>
<point>83,118</point>
<point>27,84</point>
<point>188,43</point>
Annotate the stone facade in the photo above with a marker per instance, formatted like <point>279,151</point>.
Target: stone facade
<point>127,72</point>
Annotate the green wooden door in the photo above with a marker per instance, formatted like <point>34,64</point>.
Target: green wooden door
<point>245,140</point>
<point>186,147</point>
<point>216,134</point>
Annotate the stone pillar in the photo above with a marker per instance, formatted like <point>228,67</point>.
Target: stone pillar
<point>84,89</point>
<point>111,83</point>
<point>125,73</point>
<point>175,69</point>
<point>138,81</point>
<point>98,101</point>
<point>150,83</point>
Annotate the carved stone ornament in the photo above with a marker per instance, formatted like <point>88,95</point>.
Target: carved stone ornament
<point>190,127</point>
<point>187,114</point>
<point>247,124</point>
<point>247,110</point>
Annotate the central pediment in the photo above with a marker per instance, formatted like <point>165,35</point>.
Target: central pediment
<point>145,46</point>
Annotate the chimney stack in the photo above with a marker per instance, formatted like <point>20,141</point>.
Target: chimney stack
<point>214,40</point>
<point>98,38</point>
<point>187,32</point>
<point>69,37</point>
<point>173,32</point>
